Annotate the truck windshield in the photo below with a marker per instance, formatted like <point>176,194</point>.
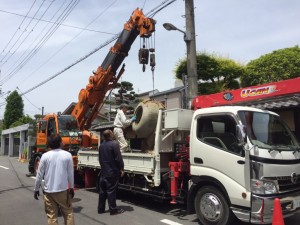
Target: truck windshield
<point>268,131</point>
<point>68,126</point>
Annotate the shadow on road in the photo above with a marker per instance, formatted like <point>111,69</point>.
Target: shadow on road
<point>149,203</point>
<point>126,208</point>
<point>165,207</point>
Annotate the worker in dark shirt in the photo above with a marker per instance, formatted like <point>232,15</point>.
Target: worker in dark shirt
<point>112,167</point>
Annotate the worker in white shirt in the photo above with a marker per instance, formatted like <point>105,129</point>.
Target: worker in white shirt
<point>120,123</point>
<point>56,168</point>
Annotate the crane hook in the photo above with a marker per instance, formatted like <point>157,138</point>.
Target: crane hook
<point>144,57</point>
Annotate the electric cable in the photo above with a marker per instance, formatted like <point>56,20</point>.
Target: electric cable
<point>28,99</point>
<point>91,53</point>
<point>44,39</point>
<point>64,25</point>
<point>30,47</point>
<point>32,29</point>
<point>144,4</point>
<point>17,29</point>
<point>73,64</point>
<point>60,49</point>
<point>25,30</point>
<point>167,4</point>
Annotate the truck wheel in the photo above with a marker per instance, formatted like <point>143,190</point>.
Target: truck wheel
<point>36,164</point>
<point>212,208</point>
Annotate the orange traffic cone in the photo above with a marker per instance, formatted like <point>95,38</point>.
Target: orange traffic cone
<point>277,215</point>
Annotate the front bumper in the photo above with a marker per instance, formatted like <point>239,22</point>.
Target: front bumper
<point>263,207</point>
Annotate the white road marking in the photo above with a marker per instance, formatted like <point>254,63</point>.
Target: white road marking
<point>170,222</point>
<point>4,167</point>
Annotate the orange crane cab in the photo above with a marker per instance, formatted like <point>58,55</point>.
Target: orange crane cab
<point>68,128</point>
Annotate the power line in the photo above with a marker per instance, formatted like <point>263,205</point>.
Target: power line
<point>167,2</point>
<point>24,52</point>
<point>106,43</point>
<point>31,30</point>
<point>73,64</point>
<point>28,99</point>
<point>59,50</point>
<point>42,41</point>
<point>25,30</point>
<point>163,5</point>
<point>92,52</point>
<point>17,28</point>
<point>64,25</point>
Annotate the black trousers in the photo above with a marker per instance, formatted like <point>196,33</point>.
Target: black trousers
<point>108,190</point>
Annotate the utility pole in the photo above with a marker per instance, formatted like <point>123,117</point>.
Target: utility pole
<point>190,40</point>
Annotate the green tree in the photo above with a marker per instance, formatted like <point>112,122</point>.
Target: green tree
<point>23,120</point>
<point>215,73</point>
<point>13,110</point>
<point>38,116</point>
<point>278,65</point>
<point>123,93</point>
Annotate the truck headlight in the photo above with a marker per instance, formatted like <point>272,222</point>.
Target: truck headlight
<point>263,187</point>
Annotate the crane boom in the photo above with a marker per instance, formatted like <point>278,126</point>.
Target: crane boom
<point>104,78</point>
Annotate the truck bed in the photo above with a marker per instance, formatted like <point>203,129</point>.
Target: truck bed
<point>134,162</point>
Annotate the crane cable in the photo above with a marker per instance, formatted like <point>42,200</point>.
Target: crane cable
<point>152,62</point>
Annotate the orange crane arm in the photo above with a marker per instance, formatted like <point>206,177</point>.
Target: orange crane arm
<point>104,79</point>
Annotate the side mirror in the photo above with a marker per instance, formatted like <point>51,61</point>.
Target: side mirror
<point>241,133</point>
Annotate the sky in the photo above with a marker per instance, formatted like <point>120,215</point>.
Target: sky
<point>239,30</point>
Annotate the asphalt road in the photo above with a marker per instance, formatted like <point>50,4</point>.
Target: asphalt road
<point>18,207</point>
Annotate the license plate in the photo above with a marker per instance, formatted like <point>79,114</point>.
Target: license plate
<point>296,203</point>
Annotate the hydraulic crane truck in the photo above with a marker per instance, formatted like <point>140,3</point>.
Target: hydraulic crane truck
<point>74,128</point>
<point>225,163</point>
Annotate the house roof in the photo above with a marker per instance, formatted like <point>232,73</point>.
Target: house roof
<point>69,109</point>
<point>103,126</point>
<point>167,91</point>
<point>147,92</point>
<point>276,103</point>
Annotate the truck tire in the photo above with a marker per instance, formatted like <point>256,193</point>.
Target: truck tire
<point>36,164</point>
<point>212,207</point>
<point>146,118</point>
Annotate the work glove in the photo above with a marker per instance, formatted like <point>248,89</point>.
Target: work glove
<point>133,118</point>
<point>36,194</point>
<point>71,191</point>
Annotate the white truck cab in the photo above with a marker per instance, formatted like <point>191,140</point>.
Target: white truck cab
<point>232,175</point>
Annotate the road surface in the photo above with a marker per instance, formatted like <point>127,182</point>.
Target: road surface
<point>18,207</point>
